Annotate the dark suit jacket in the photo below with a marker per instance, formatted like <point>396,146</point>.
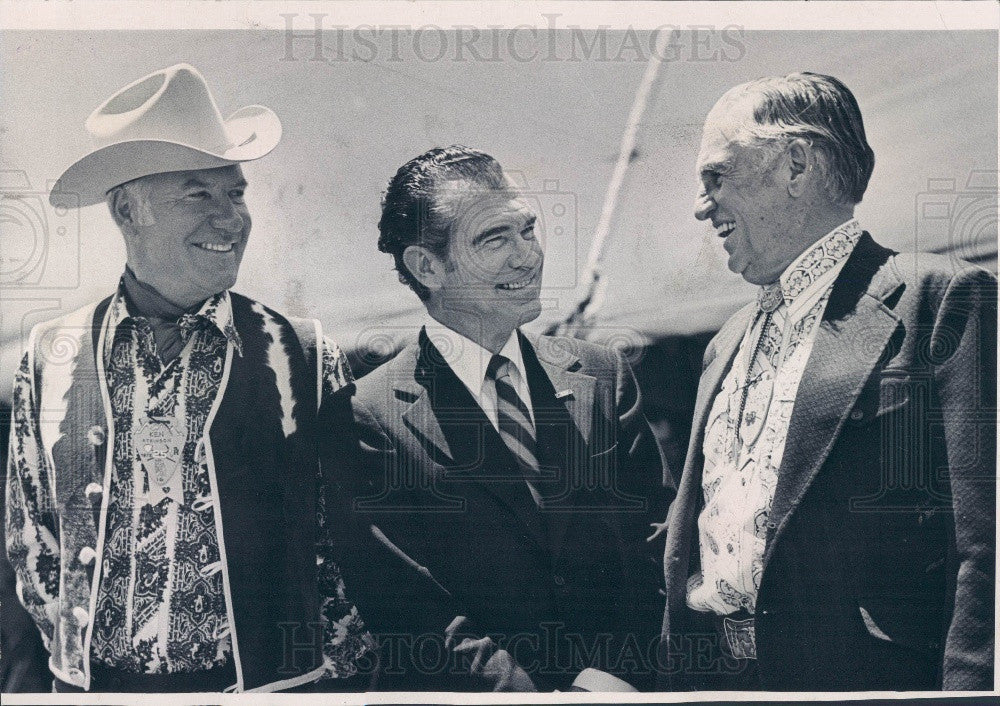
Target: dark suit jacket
<point>561,589</point>
<point>879,562</point>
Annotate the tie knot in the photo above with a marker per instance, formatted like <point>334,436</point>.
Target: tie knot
<point>497,368</point>
<point>770,297</point>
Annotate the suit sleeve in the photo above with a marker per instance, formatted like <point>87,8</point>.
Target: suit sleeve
<point>965,335</point>
<point>643,473</point>
<point>364,467</point>
<point>30,523</point>
<point>644,468</point>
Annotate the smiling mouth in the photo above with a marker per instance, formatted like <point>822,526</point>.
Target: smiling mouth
<point>518,284</point>
<point>215,247</point>
<point>724,229</point>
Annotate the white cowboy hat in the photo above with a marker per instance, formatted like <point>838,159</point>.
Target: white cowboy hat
<point>164,122</point>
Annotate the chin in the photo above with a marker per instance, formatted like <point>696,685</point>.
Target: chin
<point>226,282</point>
<point>531,313</point>
<point>759,279</point>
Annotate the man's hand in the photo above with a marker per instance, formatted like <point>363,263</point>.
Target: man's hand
<point>494,666</point>
<point>658,529</point>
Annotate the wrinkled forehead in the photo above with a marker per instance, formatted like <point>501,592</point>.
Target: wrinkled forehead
<point>474,205</point>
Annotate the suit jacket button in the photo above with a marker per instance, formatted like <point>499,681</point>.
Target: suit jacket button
<point>857,414</point>
<point>558,580</point>
<point>96,435</point>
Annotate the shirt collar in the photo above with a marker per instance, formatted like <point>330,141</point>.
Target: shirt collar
<point>467,359</point>
<point>217,311</point>
<point>807,270</point>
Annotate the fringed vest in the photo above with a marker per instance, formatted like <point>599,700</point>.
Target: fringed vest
<point>261,454</point>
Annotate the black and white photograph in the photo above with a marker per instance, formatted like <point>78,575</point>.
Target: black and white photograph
<point>428,352</point>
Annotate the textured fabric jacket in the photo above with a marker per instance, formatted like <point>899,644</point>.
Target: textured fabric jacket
<point>879,562</point>
<point>261,456</point>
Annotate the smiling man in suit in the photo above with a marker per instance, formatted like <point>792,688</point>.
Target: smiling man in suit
<point>834,526</point>
<point>500,505</point>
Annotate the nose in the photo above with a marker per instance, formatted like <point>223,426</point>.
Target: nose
<point>228,218</point>
<point>703,205</point>
<point>527,252</point>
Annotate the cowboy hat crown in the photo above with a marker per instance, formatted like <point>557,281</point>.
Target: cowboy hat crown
<point>167,121</point>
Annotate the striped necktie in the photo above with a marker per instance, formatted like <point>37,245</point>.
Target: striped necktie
<point>514,420</point>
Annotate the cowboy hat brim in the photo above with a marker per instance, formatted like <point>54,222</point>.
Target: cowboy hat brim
<point>253,131</point>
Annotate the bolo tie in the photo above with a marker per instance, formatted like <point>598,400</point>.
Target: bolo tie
<point>768,300</point>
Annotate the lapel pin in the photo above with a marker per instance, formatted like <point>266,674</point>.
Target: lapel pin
<point>564,394</point>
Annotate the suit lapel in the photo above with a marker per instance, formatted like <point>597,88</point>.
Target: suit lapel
<point>459,438</point>
<point>425,392</point>
<point>563,403</point>
<point>557,389</point>
<point>856,327</point>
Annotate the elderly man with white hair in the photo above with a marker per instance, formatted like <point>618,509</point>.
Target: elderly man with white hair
<point>163,484</point>
<point>834,529</point>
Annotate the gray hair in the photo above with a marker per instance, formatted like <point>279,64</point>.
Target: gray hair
<point>137,193</point>
<point>819,109</point>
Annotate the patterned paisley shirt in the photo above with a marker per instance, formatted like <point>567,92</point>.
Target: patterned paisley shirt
<point>161,605</point>
<point>741,469</point>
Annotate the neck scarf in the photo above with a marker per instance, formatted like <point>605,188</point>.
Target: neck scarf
<point>163,315</point>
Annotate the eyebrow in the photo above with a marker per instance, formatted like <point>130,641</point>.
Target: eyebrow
<point>199,184</point>
<point>489,233</point>
<point>716,166</point>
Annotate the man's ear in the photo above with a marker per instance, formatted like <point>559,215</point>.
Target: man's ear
<point>424,266</point>
<point>122,212</point>
<point>801,160</point>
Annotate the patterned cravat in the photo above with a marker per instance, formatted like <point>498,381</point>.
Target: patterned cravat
<point>768,300</point>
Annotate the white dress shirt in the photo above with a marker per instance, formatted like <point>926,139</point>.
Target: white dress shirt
<point>469,361</point>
